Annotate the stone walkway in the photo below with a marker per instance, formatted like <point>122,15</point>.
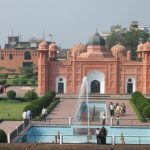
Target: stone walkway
<point>68,108</point>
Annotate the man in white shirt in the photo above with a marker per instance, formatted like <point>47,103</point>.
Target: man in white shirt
<point>44,113</point>
<point>24,115</point>
<point>97,135</point>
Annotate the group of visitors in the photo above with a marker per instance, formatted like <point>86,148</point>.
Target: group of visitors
<point>101,135</point>
<point>27,115</point>
<point>117,110</point>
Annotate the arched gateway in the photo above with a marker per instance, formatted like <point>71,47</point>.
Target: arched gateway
<point>96,82</point>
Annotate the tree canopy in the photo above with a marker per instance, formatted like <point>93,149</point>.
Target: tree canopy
<point>129,39</point>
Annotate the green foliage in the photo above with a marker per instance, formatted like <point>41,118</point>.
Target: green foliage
<point>31,95</point>
<point>37,105</point>
<point>136,94</point>
<point>3,82</point>
<point>52,105</point>
<point>142,105</point>
<point>129,39</point>
<point>32,81</point>
<point>3,76</point>
<point>140,116</point>
<point>28,71</point>
<point>146,111</point>
<point>3,136</point>
<point>11,94</point>
<point>23,81</point>
<point>16,81</point>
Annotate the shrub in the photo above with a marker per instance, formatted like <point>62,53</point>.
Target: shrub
<point>37,105</point>
<point>146,111</point>
<point>2,82</point>
<point>136,94</point>
<point>3,76</point>
<point>31,95</point>
<point>143,105</point>
<point>33,81</point>
<point>11,94</point>
<point>23,81</point>
<point>16,81</point>
<point>3,136</point>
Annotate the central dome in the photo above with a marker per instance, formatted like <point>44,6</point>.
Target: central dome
<point>96,40</point>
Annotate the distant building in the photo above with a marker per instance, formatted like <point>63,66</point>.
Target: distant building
<point>15,43</point>
<point>135,25</point>
<point>105,35</point>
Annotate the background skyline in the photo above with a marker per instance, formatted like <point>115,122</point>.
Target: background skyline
<point>69,21</point>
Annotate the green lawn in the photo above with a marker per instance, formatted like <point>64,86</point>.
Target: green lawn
<point>12,110</point>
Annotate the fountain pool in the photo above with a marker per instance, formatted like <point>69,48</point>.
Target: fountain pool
<point>70,134</point>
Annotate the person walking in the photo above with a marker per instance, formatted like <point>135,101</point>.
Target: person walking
<point>111,109</point>
<point>24,116</point>
<point>44,113</point>
<point>104,119</point>
<point>103,134</point>
<point>29,114</point>
<point>97,135</point>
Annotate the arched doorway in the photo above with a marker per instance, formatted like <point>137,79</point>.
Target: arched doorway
<point>60,85</point>
<point>129,86</point>
<point>95,86</point>
<point>96,81</point>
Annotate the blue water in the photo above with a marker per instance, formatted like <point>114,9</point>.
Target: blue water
<point>46,134</point>
<point>75,134</point>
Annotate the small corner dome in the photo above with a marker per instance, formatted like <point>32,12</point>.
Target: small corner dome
<point>140,47</point>
<point>96,40</point>
<point>118,48</point>
<point>79,48</point>
<point>53,46</point>
<point>43,45</point>
<point>146,46</point>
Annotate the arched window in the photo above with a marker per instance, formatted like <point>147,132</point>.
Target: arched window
<point>129,86</point>
<point>60,84</point>
<point>27,55</point>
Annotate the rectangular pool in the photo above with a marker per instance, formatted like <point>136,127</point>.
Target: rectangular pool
<point>47,134</point>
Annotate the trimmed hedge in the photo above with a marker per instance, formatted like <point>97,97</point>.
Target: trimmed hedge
<point>141,103</point>
<point>146,111</point>
<point>37,105</point>
<point>3,136</point>
<point>140,116</point>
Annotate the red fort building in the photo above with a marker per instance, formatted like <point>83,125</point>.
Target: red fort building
<point>108,71</point>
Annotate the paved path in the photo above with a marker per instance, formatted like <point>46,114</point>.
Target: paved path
<point>68,108</point>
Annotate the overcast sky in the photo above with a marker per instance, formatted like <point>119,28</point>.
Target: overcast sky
<point>69,21</point>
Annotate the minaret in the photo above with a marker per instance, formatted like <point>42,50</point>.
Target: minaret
<point>43,68</point>
<point>146,67</point>
<point>53,51</point>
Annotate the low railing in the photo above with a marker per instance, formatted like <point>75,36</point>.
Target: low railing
<point>17,131</point>
<point>97,121</point>
<point>78,139</point>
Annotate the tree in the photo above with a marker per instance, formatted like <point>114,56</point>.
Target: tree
<point>28,71</point>
<point>31,95</point>
<point>129,39</point>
